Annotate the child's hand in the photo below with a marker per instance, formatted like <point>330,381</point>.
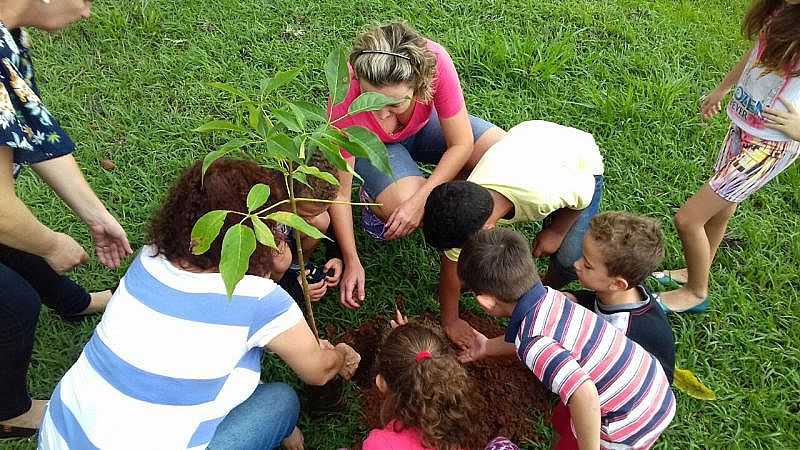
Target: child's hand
<point>711,103</point>
<point>399,320</point>
<point>787,122</point>
<point>459,332</point>
<point>351,360</point>
<point>476,349</point>
<point>336,265</point>
<point>546,243</point>
<point>317,290</point>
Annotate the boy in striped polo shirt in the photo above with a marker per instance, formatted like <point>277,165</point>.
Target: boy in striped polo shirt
<point>614,394</point>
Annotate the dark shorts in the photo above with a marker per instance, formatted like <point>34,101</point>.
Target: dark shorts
<point>427,147</point>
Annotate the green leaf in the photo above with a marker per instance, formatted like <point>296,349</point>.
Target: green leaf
<point>219,125</point>
<point>371,101</point>
<point>315,172</point>
<point>229,89</point>
<point>365,144</point>
<point>254,116</point>
<point>228,147</point>
<point>299,115</point>
<point>281,78</point>
<point>687,382</point>
<point>301,177</point>
<point>287,119</point>
<point>296,222</point>
<point>281,146</point>
<point>312,112</point>
<point>206,230</point>
<point>263,233</point>
<point>238,245</point>
<point>337,75</point>
<point>257,196</point>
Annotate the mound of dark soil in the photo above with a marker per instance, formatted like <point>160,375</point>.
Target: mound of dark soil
<point>510,396</point>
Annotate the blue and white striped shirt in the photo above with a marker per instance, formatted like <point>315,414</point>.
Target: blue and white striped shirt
<point>168,361</point>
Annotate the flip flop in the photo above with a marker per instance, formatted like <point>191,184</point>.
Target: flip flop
<point>12,432</point>
<point>664,279</point>
<point>699,308</point>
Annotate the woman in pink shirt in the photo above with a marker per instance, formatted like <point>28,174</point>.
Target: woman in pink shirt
<point>431,125</point>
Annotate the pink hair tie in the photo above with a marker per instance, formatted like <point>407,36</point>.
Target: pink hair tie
<point>421,356</point>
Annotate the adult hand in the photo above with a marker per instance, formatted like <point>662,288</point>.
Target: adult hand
<point>711,103</point>
<point>460,333</point>
<point>351,360</point>
<point>787,122</point>
<point>405,219</point>
<point>295,441</point>
<point>546,243</point>
<point>317,290</point>
<point>336,265</point>
<point>399,320</point>
<point>65,254</point>
<point>351,290</point>
<point>476,350</point>
<point>110,241</point>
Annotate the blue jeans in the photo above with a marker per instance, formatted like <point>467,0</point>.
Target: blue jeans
<point>427,147</point>
<point>261,422</point>
<point>562,269</point>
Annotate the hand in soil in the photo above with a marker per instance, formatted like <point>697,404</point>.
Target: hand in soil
<point>399,320</point>
<point>460,333</point>
<point>476,350</point>
<point>295,440</point>
<point>351,360</point>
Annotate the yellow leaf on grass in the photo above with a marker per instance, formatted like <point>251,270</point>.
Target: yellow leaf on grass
<point>687,382</point>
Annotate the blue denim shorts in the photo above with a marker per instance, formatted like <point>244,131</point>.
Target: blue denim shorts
<point>427,147</point>
<point>562,262</point>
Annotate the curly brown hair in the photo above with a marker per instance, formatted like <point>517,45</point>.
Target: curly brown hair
<point>780,23</point>
<point>632,245</point>
<point>435,396</point>
<point>225,186</point>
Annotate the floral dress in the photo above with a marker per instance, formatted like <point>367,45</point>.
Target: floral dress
<point>26,126</point>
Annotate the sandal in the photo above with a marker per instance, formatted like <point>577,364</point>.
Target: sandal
<point>699,308</point>
<point>12,432</point>
<point>665,280</point>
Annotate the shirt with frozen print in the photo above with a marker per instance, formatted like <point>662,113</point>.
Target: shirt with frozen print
<point>26,126</point>
<point>757,89</point>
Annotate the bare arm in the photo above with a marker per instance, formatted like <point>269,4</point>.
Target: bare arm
<point>20,229</point>
<point>458,135</point>
<point>711,104</point>
<point>449,290</point>
<point>300,350</point>
<point>584,407</point>
<point>66,179</point>
<point>549,239</point>
<point>735,73</point>
<point>351,289</point>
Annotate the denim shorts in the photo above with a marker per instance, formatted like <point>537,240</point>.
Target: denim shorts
<point>427,147</point>
<point>562,262</point>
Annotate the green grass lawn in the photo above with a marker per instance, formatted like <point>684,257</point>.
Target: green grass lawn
<point>128,85</point>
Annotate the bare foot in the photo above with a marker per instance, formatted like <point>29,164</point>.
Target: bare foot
<point>680,276</point>
<point>30,419</point>
<point>681,299</point>
<point>98,303</point>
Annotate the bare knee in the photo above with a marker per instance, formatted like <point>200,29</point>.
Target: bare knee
<point>398,192</point>
<point>685,221</point>
<point>485,142</point>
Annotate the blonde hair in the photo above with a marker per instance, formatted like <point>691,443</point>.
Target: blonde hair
<point>393,54</point>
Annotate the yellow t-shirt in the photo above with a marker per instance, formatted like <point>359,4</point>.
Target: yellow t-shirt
<point>539,167</point>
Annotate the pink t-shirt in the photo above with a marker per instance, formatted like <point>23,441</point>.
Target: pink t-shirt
<point>448,99</point>
<point>388,439</point>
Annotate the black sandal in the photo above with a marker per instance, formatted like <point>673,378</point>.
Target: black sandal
<point>12,432</point>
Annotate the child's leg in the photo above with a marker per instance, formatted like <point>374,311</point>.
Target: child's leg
<point>701,223</point>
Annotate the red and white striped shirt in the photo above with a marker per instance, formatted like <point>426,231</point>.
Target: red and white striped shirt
<point>565,344</point>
